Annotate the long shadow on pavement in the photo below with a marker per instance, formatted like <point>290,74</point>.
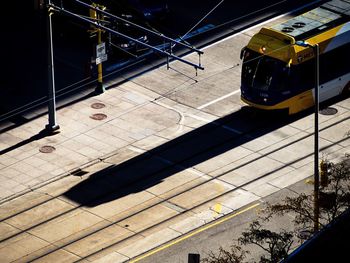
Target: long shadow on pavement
<point>192,148</point>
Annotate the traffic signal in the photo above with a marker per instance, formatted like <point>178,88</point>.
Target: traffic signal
<point>325,169</point>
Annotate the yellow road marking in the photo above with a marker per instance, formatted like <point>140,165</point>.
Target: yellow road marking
<point>217,209</point>
<point>193,233</point>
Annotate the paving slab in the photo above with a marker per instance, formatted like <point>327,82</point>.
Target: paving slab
<point>20,247</point>
<point>148,242</point>
<point>113,257</point>
<point>99,240</point>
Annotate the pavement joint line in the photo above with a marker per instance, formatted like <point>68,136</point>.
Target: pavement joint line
<point>218,99</point>
<point>223,182</point>
<point>175,207</point>
<point>214,122</point>
<point>136,149</point>
<point>194,232</point>
<point>51,180</point>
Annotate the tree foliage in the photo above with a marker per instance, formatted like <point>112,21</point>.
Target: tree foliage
<point>334,200</point>
<point>277,245</point>
<point>235,255</point>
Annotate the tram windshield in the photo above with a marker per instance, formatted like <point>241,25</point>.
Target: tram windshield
<point>264,73</point>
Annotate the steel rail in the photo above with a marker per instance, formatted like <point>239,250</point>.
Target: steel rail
<point>172,196</point>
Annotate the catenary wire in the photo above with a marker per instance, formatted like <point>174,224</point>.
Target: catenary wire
<point>38,102</point>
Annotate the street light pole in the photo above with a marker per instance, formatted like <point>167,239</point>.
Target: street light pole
<point>52,126</point>
<point>316,50</point>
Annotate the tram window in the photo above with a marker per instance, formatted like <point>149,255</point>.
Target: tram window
<point>334,63</point>
<point>271,74</point>
<point>304,75</point>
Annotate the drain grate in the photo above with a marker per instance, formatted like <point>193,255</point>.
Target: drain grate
<point>47,149</point>
<point>97,105</point>
<point>98,116</point>
<point>328,111</point>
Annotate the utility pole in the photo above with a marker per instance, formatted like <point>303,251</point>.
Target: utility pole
<point>98,17</point>
<point>316,51</point>
<point>100,88</point>
<point>52,126</point>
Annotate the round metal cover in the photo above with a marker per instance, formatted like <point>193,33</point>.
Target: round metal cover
<point>47,149</point>
<point>98,116</point>
<point>97,105</point>
<point>328,111</point>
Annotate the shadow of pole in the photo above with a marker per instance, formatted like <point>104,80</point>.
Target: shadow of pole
<point>42,134</point>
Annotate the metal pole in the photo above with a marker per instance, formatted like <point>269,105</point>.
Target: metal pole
<point>52,125</point>
<point>100,88</point>
<point>316,154</point>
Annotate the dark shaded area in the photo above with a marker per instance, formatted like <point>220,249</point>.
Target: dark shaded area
<point>186,151</point>
<point>24,81</point>
<point>330,245</point>
<point>25,76</point>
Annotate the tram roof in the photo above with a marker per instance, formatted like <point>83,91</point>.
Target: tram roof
<point>326,16</point>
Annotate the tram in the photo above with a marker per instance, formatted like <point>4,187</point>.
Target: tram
<point>279,62</point>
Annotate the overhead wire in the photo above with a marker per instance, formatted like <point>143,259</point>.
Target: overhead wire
<point>61,92</point>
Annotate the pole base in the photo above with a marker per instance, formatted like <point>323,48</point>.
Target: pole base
<point>52,129</point>
<point>100,88</point>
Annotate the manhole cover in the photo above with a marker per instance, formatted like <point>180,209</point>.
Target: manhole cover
<point>98,116</point>
<point>97,105</point>
<point>328,111</point>
<point>47,149</point>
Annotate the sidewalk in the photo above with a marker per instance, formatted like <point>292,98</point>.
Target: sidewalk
<point>132,114</point>
<point>91,130</point>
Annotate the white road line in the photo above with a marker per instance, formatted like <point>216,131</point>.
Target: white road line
<point>206,120</point>
<point>214,122</point>
<point>218,99</point>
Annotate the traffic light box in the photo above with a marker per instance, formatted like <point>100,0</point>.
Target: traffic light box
<point>324,175</point>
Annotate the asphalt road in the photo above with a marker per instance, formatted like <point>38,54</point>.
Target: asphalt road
<point>225,232</point>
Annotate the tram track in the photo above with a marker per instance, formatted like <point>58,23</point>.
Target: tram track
<point>119,166</point>
<point>181,213</point>
<point>178,166</point>
<point>81,244</point>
